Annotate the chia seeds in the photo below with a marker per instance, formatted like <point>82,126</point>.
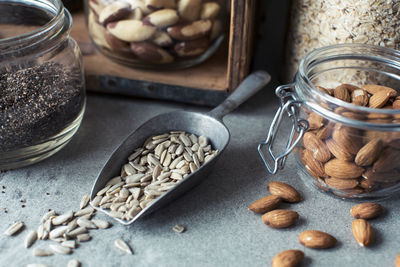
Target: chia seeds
<point>37,103</point>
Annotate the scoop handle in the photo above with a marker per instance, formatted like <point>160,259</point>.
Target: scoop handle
<point>248,87</point>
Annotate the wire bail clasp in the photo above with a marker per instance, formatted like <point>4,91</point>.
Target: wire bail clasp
<point>291,106</point>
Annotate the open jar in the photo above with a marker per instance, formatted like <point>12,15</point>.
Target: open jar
<point>346,121</point>
<point>42,92</point>
<point>156,34</point>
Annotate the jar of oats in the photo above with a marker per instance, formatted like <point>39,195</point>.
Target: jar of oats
<point>344,106</point>
<point>318,23</point>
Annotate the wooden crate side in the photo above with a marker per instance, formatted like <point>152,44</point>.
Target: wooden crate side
<point>240,41</point>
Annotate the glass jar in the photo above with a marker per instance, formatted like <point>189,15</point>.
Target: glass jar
<point>156,34</point>
<point>42,91</point>
<point>344,144</point>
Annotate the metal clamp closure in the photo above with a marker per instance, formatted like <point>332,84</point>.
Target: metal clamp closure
<point>291,106</point>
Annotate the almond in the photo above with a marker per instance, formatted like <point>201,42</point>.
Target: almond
<point>349,193</point>
<point>288,258</point>
<point>379,99</point>
<point>315,121</point>
<point>350,87</point>
<point>396,104</point>
<point>317,146</point>
<point>341,92</point>
<point>323,90</point>
<point>360,97</point>
<point>348,137</point>
<point>363,232</point>
<point>285,191</point>
<point>387,161</point>
<point>341,184</point>
<point>374,88</point>
<point>265,204</point>
<point>382,177</point>
<point>324,132</point>
<point>316,239</point>
<point>280,218</point>
<point>313,166</point>
<point>338,150</point>
<point>369,152</point>
<point>342,169</point>
<point>368,185</point>
<point>367,210</point>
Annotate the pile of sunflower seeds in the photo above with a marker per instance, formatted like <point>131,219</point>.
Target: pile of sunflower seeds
<point>162,162</point>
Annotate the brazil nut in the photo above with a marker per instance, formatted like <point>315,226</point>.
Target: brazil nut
<point>115,43</point>
<point>189,10</point>
<point>191,48</point>
<point>115,11</point>
<point>95,7</point>
<point>131,30</point>
<point>96,32</point>
<point>136,14</point>
<point>209,10</point>
<point>150,52</point>
<point>161,38</point>
<point>191,31</point>
<point>159,4</point>
<point>162,18</point>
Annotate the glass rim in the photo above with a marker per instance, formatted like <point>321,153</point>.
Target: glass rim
<point>41,30</point>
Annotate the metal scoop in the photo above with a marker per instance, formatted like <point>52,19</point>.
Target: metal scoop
<point>209,125</point>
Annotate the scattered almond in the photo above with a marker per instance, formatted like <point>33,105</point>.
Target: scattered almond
<point>367,210</point>
<point>280,218</point>
<point>397,262</point>
<point>285,191</point>
<point>316,239</point>
<point>288,258</point>
<point>265,204</point>
<point>363,232</point>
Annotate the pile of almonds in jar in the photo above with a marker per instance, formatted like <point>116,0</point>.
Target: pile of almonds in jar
<point>155,31</point>
<point>350,161</point>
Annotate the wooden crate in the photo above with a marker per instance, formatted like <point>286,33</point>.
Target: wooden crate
<point>206,84</point>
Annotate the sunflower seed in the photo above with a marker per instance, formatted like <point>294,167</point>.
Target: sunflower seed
<point>47,224</point>
<point>14,228</point>
<point>200,155</point>
<point>134,178</point>
<point>195,147</point>
<point>116,214</point>
<point>193,138</point>
<point>116,186</point>
<point>203,142</point>
<point>48,215</point>
<point>103,191</point>
<point>96,201</point>
<point>120,244</point>
<point>74,263</point>
<point>40,231</point>
<point>156,172</point>
<point>57,232</point>
<point>172,149</point>
<point>196,160</point>
<point>60,249</point>
<point>135,154</point>
<point>77,231</point>
<point>30,238</point>
<point>69,244</point>
<point>163,176</point>
<point>138,167</point>
<point>159,141</point>
<point>207,148</point>
<point>114,181</point>
<point>84,201</point>
<point>101,224</point>
<point>167,160</point>
<point>207,158</point>
<point>179,150</point>
<point>185,140</point>
<point>131,185</point>
<point>181,164</point>
<point>179,228</point>
<point>85,211</point>
<point>83,222</point>
<point>38,252</point>
<point>36,265</point>
<point>176,176</point>
<point>83,237</point>
<point>192,167</point>
<point>161,136</point>
<point>62,218</point>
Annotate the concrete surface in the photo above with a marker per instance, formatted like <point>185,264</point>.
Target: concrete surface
<point>220,229</point>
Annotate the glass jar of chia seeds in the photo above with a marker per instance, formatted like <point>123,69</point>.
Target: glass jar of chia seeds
<point>156,34</point>
<point>42,92</point>
<point>345,114</point>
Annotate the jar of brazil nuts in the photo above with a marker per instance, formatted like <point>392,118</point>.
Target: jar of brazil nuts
<point>156,34</point>
<point>345,113</point>
<point>42,88</point>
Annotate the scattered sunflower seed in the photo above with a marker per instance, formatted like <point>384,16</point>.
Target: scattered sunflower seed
<point>14,228</point>
<point>74,263</point>
<point>83,237</point>
<point>179,228</point>
<point>119,243</point>
<point>36,265</point>
<point>38,252</point>
<point>85,201</point>
<point>101,223</point>
<point>62,218</point>
<point>30,238</point>
<point>69,244</point>
<point>60,249</point>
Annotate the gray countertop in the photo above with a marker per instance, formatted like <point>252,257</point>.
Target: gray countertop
<point>220,229</point>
